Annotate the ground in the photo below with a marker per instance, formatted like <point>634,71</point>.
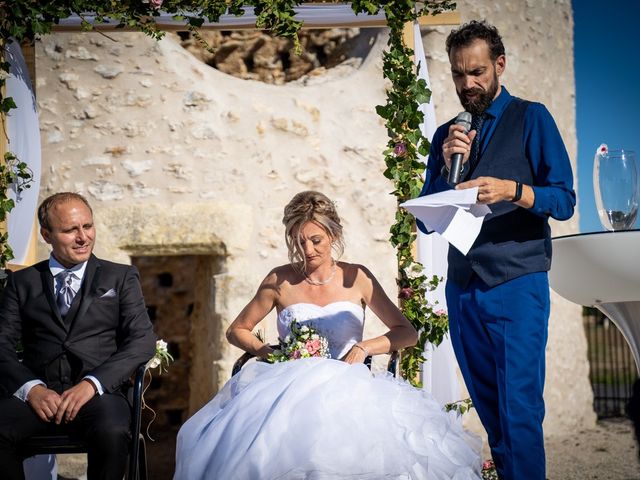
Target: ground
<point>606,452</point>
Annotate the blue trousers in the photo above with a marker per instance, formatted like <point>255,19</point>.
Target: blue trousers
<point>499,336</point>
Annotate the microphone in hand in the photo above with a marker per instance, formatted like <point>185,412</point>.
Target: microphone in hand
<point>464,119</point>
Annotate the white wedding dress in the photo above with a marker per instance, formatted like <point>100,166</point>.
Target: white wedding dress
<point>323,419</point>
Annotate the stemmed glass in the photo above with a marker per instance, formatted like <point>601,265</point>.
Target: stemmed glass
<point>615,181</point>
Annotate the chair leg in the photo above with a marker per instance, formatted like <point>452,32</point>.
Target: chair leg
<point>137,458</point>
<point>142,460</point>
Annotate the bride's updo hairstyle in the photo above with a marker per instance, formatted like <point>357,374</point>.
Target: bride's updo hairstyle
<point>310,206</point>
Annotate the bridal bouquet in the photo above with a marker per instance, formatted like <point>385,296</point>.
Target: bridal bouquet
<point>304,341</point>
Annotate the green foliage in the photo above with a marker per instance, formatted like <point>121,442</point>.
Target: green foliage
<point>404,168</point>
<point>13,174</point>
<point>25,20</point>
<point>459,406</point>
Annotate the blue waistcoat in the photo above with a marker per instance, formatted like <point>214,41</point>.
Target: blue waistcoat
<point>512,241</point>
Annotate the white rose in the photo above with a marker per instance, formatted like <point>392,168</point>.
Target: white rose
<point>161,346</point>
<point>153,363</point>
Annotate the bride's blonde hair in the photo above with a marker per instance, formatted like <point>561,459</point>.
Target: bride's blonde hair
<point>310,206</point>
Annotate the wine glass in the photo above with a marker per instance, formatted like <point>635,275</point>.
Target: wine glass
<point>615,181</point>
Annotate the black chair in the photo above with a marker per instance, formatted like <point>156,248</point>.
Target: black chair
<point>392,365</point>
<point>52,444</point>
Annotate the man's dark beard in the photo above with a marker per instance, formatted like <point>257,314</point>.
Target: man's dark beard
<point>483,99</point>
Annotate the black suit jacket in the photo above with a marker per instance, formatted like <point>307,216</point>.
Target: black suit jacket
<point>106,334</point>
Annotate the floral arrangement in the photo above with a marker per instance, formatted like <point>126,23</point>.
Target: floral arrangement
<point>304,341</point>
<point>489,470</point>
<point>162,358</point>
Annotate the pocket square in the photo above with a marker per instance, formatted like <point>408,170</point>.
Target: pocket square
<point>109,293</point>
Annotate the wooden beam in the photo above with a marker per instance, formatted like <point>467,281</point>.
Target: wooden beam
<point>29,54</point>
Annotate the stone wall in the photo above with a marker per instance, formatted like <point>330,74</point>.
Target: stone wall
<point>178,158</point>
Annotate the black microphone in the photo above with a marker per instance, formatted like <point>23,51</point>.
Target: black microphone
<point>464,119</point>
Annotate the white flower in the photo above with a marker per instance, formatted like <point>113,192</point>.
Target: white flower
<point>153,363</point>
<point>161,346</point>
<point>304,329</point>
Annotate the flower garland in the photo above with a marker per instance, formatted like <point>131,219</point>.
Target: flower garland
<point>24,20</point>
<point>404,168</point>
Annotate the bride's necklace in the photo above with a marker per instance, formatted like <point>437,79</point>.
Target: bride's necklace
<point>321,282</point>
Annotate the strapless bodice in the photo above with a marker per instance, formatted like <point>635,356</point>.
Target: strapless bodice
<point>341,323</point>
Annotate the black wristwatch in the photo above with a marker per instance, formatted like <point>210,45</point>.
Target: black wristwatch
<point>518,194</point>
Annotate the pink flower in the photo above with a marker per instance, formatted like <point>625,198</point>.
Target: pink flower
<point>296,354</point>
<point>440,312</point>
<point>400,150</point>
<point>405,293</point>
<point>156,4</point>
<point>487,465</point>
<point>312,346</point>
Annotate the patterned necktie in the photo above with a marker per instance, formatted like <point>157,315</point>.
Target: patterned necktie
<point>66,292</point>
<point>476,124</point>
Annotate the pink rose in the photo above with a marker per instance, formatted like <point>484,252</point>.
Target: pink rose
<point>405,293</point>
<point>312,346</point>
<point>155,3</point>
<point>487,465</point>
<point>440,312</point>
<point>400,150</point>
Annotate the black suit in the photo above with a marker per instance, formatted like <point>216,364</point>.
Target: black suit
<point>106,334</point>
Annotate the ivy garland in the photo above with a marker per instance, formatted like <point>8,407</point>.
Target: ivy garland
<point>24,20</point>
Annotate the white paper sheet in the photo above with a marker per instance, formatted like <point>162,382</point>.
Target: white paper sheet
<point>454,214</point>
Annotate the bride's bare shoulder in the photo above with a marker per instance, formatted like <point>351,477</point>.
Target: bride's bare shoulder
<point>281,274</point>
<point>354,269</point>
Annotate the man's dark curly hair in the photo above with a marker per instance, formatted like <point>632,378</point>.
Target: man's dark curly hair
<point>476,30</point>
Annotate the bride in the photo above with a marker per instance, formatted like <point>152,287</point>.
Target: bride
<point>319,418</point>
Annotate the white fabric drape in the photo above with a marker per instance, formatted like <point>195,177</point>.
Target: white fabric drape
<point>439,371</point>
<point>24,141</point>
<point>313,16</point>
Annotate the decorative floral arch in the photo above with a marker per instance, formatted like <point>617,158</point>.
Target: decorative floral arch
<point>24,20</point>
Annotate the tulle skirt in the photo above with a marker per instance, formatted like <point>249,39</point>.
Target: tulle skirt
<point>323,419</point>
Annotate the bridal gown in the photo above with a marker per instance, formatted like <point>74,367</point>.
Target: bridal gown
<point>323,419</point>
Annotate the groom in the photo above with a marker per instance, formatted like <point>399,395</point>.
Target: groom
<point>83,328</point>
<point>498,294</point>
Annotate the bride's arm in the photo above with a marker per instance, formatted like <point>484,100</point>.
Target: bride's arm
<point>401,333</point>
<point>240,332</point>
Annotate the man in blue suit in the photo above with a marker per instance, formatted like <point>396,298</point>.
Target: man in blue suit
<point>84,329</point>
<point>498,294</point>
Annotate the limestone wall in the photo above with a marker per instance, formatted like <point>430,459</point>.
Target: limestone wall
<point>178,158</point>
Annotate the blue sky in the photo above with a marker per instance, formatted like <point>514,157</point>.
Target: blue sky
<point>607,70</point>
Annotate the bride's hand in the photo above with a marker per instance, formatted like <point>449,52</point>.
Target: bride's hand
<point>357,354</point>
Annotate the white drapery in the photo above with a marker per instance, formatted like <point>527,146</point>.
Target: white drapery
<point>24,141</point>
<point>316,16</point>
<point>439,372</point>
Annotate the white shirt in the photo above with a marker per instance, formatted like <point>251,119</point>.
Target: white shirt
<point>76,283</point>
